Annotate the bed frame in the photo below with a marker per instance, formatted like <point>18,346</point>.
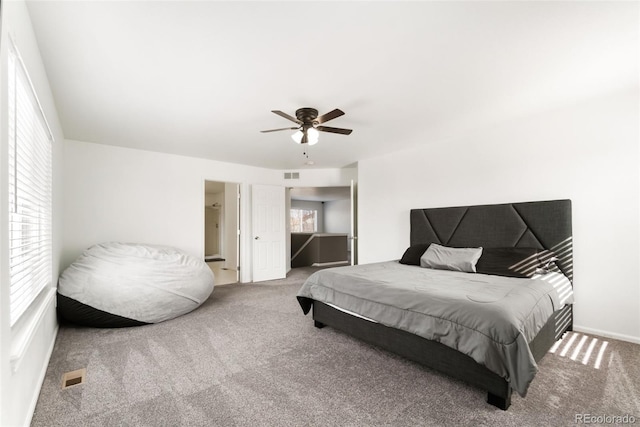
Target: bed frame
<point>543,225</point>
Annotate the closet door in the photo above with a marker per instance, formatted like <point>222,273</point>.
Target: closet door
<point>269,232</point>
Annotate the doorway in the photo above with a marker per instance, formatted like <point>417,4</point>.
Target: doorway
<point>221,230</point>
<point>322,219</point>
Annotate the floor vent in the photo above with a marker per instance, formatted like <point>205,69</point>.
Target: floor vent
<point>73,378</point>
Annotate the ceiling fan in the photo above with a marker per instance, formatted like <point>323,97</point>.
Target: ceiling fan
<point>308,123</point>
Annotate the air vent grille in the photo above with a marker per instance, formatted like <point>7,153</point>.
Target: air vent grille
<point>292,175</point>
<point>73,378</point>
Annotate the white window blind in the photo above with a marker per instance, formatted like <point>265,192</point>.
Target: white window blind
<point>29,173</point>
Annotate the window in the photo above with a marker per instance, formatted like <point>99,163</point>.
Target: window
<point>304,221</point>
<point>29,179</point>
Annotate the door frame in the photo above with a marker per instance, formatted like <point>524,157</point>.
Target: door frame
<point>353,216</point>
<point>222,238</point>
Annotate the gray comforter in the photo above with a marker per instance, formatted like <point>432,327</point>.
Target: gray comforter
<point>489,318</point>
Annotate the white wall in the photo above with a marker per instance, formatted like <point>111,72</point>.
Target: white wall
<point>321,177</point>
<point>19,387</point>
<point>211,198</point>
<point>122,194</point>
<point>212,228</point>
<point>586,152</point>
<point>337,218</point>
<point>214,219</point>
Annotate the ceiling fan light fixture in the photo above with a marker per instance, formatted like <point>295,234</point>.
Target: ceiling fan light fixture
<point>297,137</point>
<point>313,136</point>
<point>308,121</point>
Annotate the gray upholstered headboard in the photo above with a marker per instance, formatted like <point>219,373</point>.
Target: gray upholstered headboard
<point>542,225</point>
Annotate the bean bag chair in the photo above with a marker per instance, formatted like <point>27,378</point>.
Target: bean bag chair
<point>121,284</point>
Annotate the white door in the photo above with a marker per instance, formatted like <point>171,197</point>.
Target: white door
<point>269,236</point>
<point>354,223</point>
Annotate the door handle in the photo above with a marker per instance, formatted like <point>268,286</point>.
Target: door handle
<point>257,237</point>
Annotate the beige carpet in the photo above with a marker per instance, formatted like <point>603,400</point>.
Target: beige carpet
<point>248,357</point>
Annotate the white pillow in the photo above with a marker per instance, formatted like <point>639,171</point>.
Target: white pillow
<point>456,259</point>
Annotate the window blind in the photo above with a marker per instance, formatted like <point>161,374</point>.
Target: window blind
<point>30,188</point>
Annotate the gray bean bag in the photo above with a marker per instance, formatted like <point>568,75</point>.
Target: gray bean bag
<point>123,284</point>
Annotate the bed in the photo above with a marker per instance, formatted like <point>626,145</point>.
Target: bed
<point>397,306</point>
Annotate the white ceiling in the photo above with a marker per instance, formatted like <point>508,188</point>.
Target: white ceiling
<point>200,78</point>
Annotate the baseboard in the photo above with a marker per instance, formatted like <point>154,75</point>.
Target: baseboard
<point>621,337</point>
<point>326,264</point>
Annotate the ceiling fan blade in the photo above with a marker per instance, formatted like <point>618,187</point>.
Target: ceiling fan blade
<point>286,116</point>
<point>334,130</point>
<point>330,115</point>
<point>276,130</point>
